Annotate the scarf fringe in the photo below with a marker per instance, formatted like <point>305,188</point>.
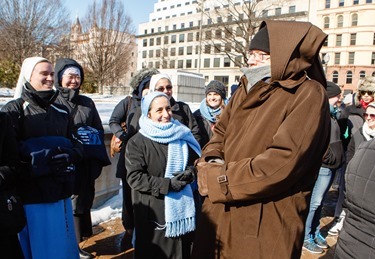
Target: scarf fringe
<point>180,227</point>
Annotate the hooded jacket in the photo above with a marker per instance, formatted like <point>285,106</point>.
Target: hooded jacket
<point>82,113</point>
<point>272,140</point>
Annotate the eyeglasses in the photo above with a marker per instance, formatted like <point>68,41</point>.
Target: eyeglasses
<point>71,77</point>
<point>372,116</point>
<point>370,93</point>
<point>258,56</point>
<point>161,89</point>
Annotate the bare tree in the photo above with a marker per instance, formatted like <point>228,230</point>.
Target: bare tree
<point>232,24</point>
<point>30,27</point>
<point>109,42</point>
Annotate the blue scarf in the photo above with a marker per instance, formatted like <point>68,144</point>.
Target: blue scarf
<point>179,206</point>
<point>209,113</point>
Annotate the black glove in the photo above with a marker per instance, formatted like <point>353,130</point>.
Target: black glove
<point>176,184</point>
<point>188,175</point>
<point>71,156</point>
<point>59,163</point>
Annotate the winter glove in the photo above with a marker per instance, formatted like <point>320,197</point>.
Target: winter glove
<point>59,163</point>
<point>188,175</point>
<point>70,155</point>
<point>176,184</point>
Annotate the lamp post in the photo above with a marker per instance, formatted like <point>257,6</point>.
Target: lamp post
<point>326,59</point>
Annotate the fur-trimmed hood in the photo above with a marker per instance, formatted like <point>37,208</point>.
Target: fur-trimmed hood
<point>141,80</point>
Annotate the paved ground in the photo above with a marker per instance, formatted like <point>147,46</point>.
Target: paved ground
<point>106,241</point>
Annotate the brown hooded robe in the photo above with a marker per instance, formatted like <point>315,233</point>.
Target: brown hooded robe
<point>272,140</point>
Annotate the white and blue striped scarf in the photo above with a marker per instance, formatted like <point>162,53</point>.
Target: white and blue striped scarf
<point>179,206</point>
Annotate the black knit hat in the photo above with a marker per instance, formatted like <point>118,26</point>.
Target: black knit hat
<point>261,40</point>
<point>217,87</point>
<point>333,90</point>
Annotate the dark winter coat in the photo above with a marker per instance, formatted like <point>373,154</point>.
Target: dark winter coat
<point>354,143</point>
<point>33,117</point>
<point>357,237</point>
<point>205,127</point>
<point>9,158</point>
<point>272,140</point>
<point>335,155</point>
<point>146,163</point>
<point>350,120</point>
<point>83,112</point>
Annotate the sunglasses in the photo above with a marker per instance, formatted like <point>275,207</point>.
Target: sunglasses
<point>161,89</point>
<point>372,116</point>
<point>370,93</point>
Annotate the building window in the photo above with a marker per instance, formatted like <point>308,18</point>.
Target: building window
<point>166,39</point>
<point>292,9</point>
<point>189,50</point>
<point>341,2</point>
<point>209,21</point>
<point>228,46</point>
<point>208,35</point>
<point>217,48</point>
<point>219,19</point>
<point>340,21</point>
<point>373,58</point>
<point>157,53</point>
<point>206,62</point>
<point>337,58</point>
<point>328,3</point>
<point>335,77</point>
<point>151,42</point>
<point>150,64</point>
<point>191,24</point>
<point>172,64</point>
<point>239,32</point>
<point>368,1</point>
<point>144,54</point>
<point>158,41</point>
<point>278,11</point>
<point>355,1</point>
<point>157,64</point>
<point>218,34</point>
<point>351,58</point>
<point>362,74</point>
<point>349,77</point>
<point>226,62</point>
<point>182,25</point>
<point>338,39</point>
<point>151,53</point>
<point>353,38</point>
<point>174,26</point>
<point>181,51</point>
<point>229,18</point>
<point>173,51</point>
<point>264,13</point>
<point>181,38</point>
<point>373,41</point>
<point>188,63</point>
<point>207,49</point>
<point>325,43</point>
<point>228,32</point>
<point>197,36</point>
<point>165,54</point>
<point>173,39</point>
<point>196,49</point>
<point>180,64</point>
<point>326,22</point>
<point>238,60</point>
<point>145,43</point>
<point>216,62</point>
<point>354,19</point>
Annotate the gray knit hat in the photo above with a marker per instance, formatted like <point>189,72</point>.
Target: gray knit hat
<point>217,87</point>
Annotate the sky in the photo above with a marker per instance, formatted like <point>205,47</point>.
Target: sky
<point>138,10</point>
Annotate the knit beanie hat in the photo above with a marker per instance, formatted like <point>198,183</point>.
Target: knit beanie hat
<point>333,90</point>
<point>261,40</point>
<point>217,87</point>
<point>147,100</point>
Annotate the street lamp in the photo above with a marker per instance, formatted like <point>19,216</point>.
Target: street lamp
<point>326,59</point>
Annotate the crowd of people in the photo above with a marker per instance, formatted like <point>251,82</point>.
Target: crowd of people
<point>245,175</point>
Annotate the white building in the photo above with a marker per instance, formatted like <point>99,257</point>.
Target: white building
<point>176,36</point>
